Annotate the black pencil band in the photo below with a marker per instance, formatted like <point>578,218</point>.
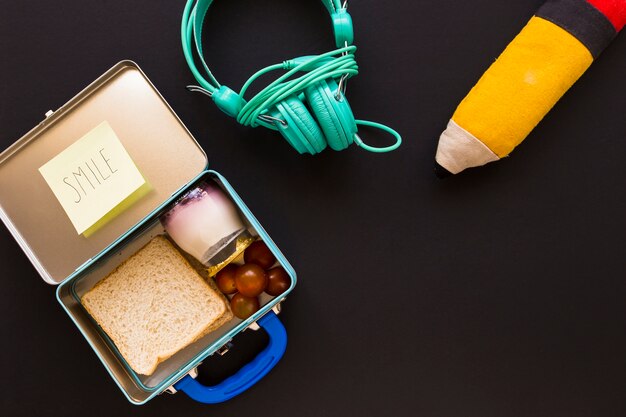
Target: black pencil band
<point>582,20</point>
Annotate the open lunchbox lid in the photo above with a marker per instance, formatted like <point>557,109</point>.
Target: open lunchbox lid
<point>68,160</point>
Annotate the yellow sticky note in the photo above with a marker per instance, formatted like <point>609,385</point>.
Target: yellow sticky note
<point>92,176</point>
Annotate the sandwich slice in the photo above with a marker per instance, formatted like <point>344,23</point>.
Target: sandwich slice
<point>154,305</point>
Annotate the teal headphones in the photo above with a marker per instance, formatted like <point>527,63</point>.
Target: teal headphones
<point>306,104</point>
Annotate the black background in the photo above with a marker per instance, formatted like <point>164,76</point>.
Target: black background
<point>498,292</point>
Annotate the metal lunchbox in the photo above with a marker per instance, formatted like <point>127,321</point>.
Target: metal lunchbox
<point>172,162</point>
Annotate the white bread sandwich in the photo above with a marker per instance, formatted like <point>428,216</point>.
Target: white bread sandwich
<point>155,304</point>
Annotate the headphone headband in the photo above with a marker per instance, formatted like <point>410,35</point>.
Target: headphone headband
<point>319,80</point>
<point>193,20</point>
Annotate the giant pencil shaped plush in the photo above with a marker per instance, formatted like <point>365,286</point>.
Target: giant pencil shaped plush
<point>555,48</point>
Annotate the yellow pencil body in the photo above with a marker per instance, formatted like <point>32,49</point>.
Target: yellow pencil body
<point>543,61</point>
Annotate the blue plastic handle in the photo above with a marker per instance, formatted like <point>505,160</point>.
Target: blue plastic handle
<point>247,376</point>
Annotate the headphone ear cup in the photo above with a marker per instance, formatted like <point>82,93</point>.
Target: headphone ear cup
<point>301,130</point>
<point>334,116</point>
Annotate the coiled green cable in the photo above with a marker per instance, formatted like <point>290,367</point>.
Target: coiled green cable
<point>281,88</point>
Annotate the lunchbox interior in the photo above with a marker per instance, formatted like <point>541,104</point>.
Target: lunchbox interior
<point>139,388</point>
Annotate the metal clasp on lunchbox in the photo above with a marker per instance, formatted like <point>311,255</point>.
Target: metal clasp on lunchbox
<point>193,373</point>
<point>276,309</point>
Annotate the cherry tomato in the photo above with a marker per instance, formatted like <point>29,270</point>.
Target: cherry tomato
<point>250,280</point>
<point>278,281</point>
<point>225,279</point>
<point>258,253</point>
<point>243,307</point>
